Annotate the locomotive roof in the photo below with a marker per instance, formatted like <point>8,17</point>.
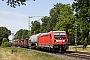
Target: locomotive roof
<point>59,31</point>
<point>49,33</point>
<point>41,34</point>
<point>44,34</point>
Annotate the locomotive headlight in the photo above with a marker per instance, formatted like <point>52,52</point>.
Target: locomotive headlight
<point>56,41</point>
<point>64,40</point>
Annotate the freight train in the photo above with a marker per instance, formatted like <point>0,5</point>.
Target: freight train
<point>54,41</point>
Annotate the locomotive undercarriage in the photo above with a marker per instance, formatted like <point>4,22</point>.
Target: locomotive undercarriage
<point>59,48</point>
<point>53,48</point>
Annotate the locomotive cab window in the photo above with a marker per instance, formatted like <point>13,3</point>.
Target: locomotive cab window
<point>59,35</point>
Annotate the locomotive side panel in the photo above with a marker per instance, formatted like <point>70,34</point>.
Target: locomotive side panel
<point>44,40</point>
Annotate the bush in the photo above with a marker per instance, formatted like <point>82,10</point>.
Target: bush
<point>6,44</point>
<point>4,40</point>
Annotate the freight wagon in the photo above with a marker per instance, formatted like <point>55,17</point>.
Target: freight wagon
<point>24,43</point>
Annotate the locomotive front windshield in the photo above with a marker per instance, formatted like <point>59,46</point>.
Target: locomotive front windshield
<point>59,35</point>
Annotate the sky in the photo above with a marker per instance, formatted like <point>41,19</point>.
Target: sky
<point>17,18</point>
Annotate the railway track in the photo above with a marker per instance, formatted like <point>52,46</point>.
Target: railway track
<point>83,55</point>
<point>69,55</point>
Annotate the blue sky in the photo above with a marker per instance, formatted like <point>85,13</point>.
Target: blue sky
<point>17,18</point>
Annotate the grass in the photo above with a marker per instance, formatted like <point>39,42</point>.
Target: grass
<point>79,48</point>
<point>13,53</point>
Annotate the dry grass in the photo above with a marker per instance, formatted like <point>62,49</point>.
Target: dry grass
<point>79,48</point>
<point>13,53</point>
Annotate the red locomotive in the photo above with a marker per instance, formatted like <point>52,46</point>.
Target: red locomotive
<point>54,41</point>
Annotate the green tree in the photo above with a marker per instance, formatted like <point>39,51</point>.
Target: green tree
<point>65,19</point>
<point>4,33</point>
<point>21,34</point>
<point>46,24</point>
<point>82,9</point>
<point>14,3</point>
<point>35,27</point>
<point>49,23</point>
<point>54,14</point>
